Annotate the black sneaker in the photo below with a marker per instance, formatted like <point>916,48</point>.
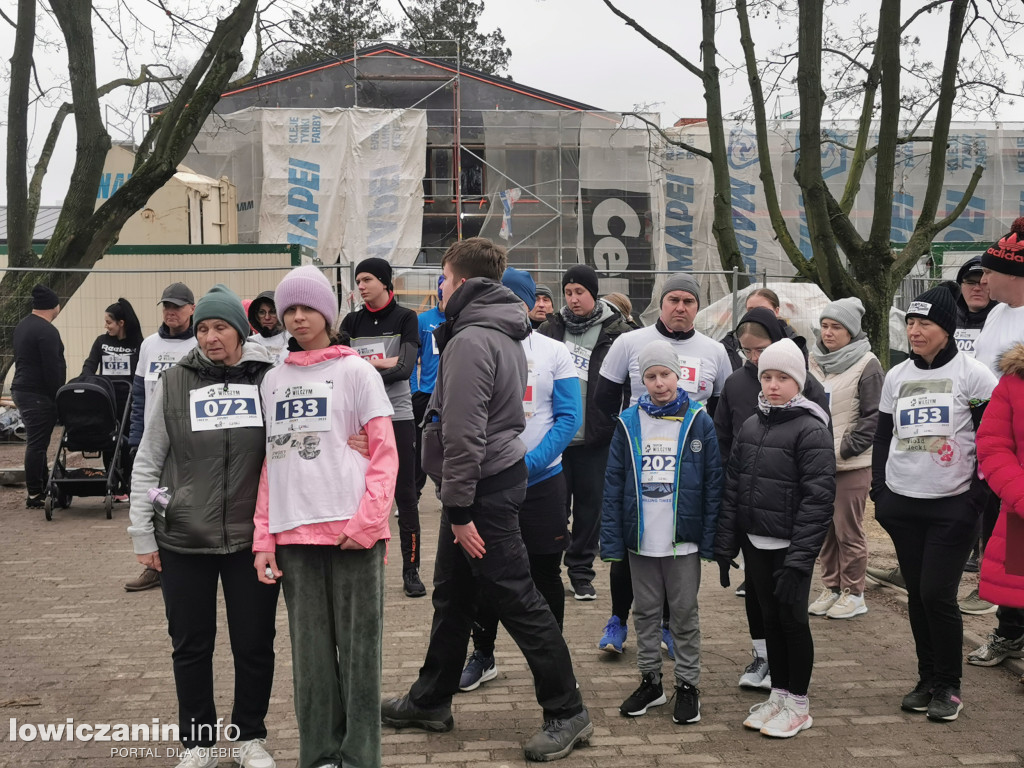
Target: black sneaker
<point>972,566</point>
<point>35,501</point>
<point>919,698</point>
<point>741,590</point>
<point>557,738</point>
<point>945,705</point>
<point>411,584</point>
<point>583,590</point>
<point>687,708</point>
<point>402,713</point>
<point>649,694</point>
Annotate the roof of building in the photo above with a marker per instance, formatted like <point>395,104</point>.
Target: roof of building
<point>398,51</point>
<point>46,221</point>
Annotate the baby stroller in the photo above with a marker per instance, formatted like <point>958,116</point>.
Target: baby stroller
<point>94,411</point>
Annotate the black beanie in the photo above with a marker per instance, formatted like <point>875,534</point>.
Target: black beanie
<point>581,274</point>
<point>378,268</point>
<point>1007,255</point>
<point>938,305</point>
<point>43,297</point>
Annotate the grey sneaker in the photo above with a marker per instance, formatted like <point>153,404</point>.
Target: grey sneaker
<point>402,713</point>
<point>973,605</point>
<point>995,650</point>
<point>557,738</point>
<point>888,577</point>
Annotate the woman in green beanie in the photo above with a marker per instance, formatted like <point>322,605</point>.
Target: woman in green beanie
<point>203,447</point>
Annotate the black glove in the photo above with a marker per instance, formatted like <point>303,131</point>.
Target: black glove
<point>787,585</point>
<point>133,451</point>
<point>724,564</point>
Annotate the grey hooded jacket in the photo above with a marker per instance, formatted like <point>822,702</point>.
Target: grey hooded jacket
<point>479,390</point>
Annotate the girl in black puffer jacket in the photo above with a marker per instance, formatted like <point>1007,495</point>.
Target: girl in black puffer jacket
<point>777,506</point>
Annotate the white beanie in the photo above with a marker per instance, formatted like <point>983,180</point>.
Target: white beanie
<point>784,356</point>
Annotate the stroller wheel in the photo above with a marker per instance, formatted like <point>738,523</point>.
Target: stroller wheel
<point>108,506</point>
<point>48,507</point>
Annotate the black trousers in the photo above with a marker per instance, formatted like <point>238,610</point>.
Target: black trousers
<point>39,414</point>
<point>406,497</point>
<point>584,468</point>
<point>786,630</point>
<point>419,410</point>
<point>502,577</point>
<point>542,524</point>
<point>190,600</point>
<point>933,538</point>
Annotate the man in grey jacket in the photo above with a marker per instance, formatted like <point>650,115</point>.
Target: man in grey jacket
<point>478,400</point>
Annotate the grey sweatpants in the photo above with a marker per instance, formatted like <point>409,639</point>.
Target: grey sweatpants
<point>335,602</point>
<point>678,579</point>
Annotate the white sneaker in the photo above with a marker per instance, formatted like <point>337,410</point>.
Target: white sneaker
<point>847,606</point>
<point>825,600</point>
<point>765,711</point>
<point>787,722</point>
<point>198,757</point>
<point>251,754</point>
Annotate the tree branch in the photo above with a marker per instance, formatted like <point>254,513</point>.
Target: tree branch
<point>678,57</point>
<point>20,225</point>
<point>669,139</point>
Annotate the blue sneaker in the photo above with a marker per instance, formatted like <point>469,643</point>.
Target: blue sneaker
<point>666,642</point>
<point>479,669</point>
<point>614,636</point>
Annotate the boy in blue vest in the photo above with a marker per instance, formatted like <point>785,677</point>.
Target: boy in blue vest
<point>662,490</point>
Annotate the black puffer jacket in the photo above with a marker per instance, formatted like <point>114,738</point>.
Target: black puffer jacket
<point>780,482</point>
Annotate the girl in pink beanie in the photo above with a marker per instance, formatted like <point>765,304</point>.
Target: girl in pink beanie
<point>322,523</point>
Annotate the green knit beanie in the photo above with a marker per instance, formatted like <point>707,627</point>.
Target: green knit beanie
<point>222,303</point>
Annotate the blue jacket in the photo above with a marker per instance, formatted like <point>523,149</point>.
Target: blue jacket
<point>698,487</point>
<point>424,370</point>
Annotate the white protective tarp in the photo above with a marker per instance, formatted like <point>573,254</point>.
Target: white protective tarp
<point>344,182</point>
<point>801,305</point>
<point>689,192</point>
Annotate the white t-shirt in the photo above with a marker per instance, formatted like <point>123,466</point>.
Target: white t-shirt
<point>704,361</point>
<point>313,475</point>
<point>1004,327</point>
<point>932,451</point>
<point>547,361</point>
<point>156,355</point>
<point>659,452</point>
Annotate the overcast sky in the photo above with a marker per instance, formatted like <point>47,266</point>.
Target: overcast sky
<point>573,48</point>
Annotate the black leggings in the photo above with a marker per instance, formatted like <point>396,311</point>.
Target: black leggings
<point>933,539</point>
<point>786,630</point>
<point>405,494</point>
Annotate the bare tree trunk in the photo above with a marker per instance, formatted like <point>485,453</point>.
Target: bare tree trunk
<point>20,225</point>
<point>722,225</point>
<point>82,235</point>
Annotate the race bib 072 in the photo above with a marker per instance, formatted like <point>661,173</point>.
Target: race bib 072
<point>225,407</point>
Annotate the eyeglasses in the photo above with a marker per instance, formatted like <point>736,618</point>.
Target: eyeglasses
<point>752,354</point>
<point>266,313</point>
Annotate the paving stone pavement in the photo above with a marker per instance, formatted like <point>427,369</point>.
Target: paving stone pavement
<point>75,645</point>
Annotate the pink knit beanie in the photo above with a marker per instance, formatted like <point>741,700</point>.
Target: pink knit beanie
<point>307,286</point>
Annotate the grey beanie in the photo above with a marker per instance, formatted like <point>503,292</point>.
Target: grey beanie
<point>784,356</point>
<point>543,290</point>
<point>847,312</point>
<point>658,352</point>
<point>681,282</point>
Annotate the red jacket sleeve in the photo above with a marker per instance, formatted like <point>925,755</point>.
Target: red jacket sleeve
<point>998,445</point>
